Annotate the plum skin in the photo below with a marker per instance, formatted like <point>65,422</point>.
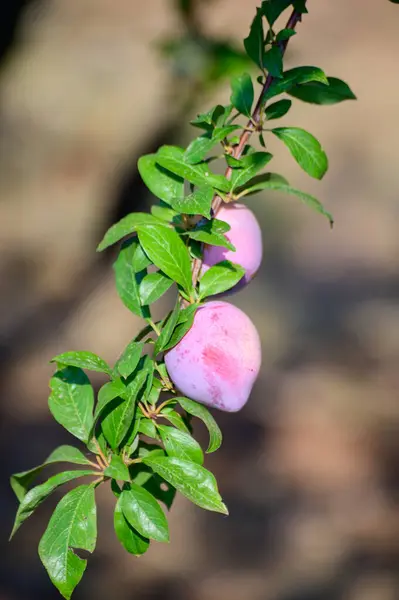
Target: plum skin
<point>218,360</point>
<point>245,235</point>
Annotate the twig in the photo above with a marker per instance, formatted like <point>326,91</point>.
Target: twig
<point>250,128</point>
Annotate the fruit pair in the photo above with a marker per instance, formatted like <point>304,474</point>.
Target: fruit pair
<point>218,360</point>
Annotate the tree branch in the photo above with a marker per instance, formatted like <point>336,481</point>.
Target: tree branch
<point>250,128</point>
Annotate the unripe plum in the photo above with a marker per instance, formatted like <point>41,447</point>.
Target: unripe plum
<point>245,235</point>
<point>218,360</point>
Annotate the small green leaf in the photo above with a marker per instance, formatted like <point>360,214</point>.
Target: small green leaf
<point>180,444</point>
<point>153,286</point>
<point>143,512</point>
<point>184,324</point>
<point>130,539</point>
<point>168,252</point>
<point>208,120</point>
<point>20,482</point>
<point>71,401</point>
<point>211,233</point>
<point>273,61</point>
<point>161,182</point>
<point>84,360</point>
<point>285,34</point>
<point>242,96</point>
<point>117,469</point>
<point>165,213</point>
<point>125,227</point>
<point>254,43</point>
<point>172,158</point>
<point>306,198</point>
<point>73,525</point>
<point>250,166</point>
<point>128,280</point>
<point>272,9</point>
<point>129,359</point>
<point>107,393</point>
<point>317,93</point>
<point>148,428</point>
<point>201,412</point>
<point>120,411</point>
<point>219,278</point>
<point>197,203</point>
<point>173,417</point>
<point>293,77</point>
<point>259,183</point>
<point>199,148</point>
<point>278,109</point>
<point>167,329</point>
<point>305,148</point>
<point>190,479</point>
<point>38,494</point>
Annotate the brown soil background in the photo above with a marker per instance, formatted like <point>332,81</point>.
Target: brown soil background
<point>309,469</point>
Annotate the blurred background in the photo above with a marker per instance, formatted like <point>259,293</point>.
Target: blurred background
<point>309,469</point>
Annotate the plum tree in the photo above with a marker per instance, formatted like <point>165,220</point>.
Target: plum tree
<point>245,235</point>
<point>218,360</point>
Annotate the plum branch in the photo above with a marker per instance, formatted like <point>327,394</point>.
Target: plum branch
<point>251,127</point>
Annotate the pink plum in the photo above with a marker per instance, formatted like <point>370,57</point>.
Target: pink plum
<point>218,360</point>
<point>245,235</point>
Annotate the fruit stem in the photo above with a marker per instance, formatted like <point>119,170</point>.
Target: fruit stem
<point>251,126</point>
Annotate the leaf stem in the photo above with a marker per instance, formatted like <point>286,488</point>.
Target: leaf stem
<point>154,326</point>
<point>251,126</point>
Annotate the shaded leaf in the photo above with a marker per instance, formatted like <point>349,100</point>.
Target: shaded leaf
<point>162,183</point>
<point>130,539</point>
<point>167,329</point>
<point>254,43</point>
<point>128,280</point>
<point>184,324</point>
<point>278,109</point>
<point>293,77</point>
<point>242,96</point>
<point>117,469</point>
<point>317,93</point>
<point>200,411</point>
<point>143,512</point>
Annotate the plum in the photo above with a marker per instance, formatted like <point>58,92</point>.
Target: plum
<point>218,360</point>
<point>245,235</point>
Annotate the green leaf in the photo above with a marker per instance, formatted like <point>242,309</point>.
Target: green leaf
<point>173,417</point>
<point>125,227</point>
<point>190,479</point>
<point>317,93</point>
<point>148,428</point>
<point>201,412</point>
<point>117,469</point>
<point>251,165</point>
<point>209,119</point>
<point>163,212</point>
<point>293,77</point>
<point>180,444</point>
<point>242,96</point>
<point>71,401</point>
<point>120,412</point>
<point>211,233</point>
<point>254,43</point>
<point>143,513</point>
<point>84,360</point>
<point>258,183</point>
<point>168,252</point>
<point>285,34</point>
<point>278,109</point>
<point>129,359</point>
<point>197,203</point>
<point>107,393</point>
<point>130,539</point>
<point>155,391</point>
<point>153,286</point>
<point>272,9</point>
<point>219,278</point>
<point>172,158</point>
<point>167,329</point>
<point>306,198</point>
<point>273,61</point>
<point>305,148</point>
<point>161,182</point>
<point>199,148</point>
<point>73,525</point>
<point>128,280</point>
<point>38,494</point>
<point>20,482</point>
<point>184,324</point>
